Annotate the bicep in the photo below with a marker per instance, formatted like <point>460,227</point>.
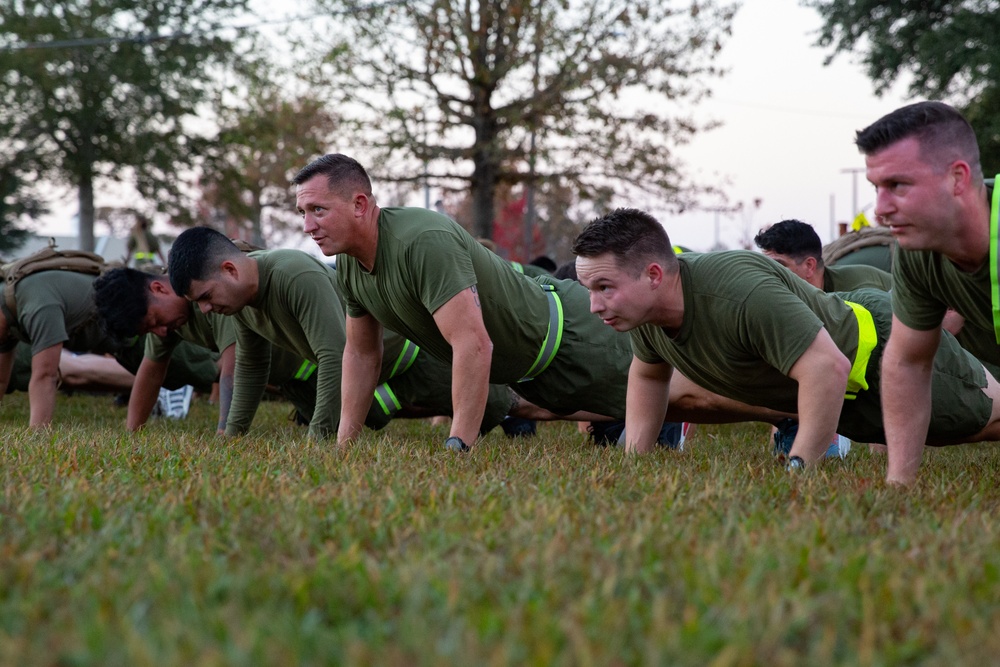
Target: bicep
<point>364,333</point>
<point>461,317</point>
<point>46,361</point>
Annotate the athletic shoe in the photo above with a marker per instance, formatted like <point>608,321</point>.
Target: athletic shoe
<point>606,433</point>
<point>175,404</point>
<point>518,427</point>
<point>784,436</point>
<point>838,448</point>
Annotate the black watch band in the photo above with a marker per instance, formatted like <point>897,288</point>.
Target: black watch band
<point>455,443</point>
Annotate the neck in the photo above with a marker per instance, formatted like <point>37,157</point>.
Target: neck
<point>669,310</point>
<point>368,239</point>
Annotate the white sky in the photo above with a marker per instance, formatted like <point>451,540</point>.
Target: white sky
<point>787,134</point>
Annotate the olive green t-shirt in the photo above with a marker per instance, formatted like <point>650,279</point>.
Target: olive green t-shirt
<point>56,307</point>
<point>747,320</point>
<point>926,284</point>
<point>422,261</point>
<point>849,277</point>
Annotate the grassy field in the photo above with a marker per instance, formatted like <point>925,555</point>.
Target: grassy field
<point>172,547</point>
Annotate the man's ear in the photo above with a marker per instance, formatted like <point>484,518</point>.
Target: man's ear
<point>362,204</point>
<point>961,173</point>
<point>159,287</point>
<point>810,264</point>
<point>654,272</point>
<point>229,268</point>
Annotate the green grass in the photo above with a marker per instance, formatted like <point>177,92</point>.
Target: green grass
<point>173,547</point>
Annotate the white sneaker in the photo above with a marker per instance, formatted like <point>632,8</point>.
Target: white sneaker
<point>838,448</point>
<point>175,404</point>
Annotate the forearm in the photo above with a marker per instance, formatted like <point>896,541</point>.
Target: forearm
<point>359,377</point>
<point>906,409</point>
<point>6,368</point>
<point>42,397</point>
<point>820,402</point>
<point>227,370</point>
<point>645,408</point>
<point>145,391</point>
<point>470,386</point>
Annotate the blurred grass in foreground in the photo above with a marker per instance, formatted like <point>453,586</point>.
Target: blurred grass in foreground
<point>173,547</point>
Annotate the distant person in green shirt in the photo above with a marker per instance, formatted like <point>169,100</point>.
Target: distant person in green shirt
<point>796,246</point>
<point>923,160</point>
<point>740,325</point>
<point>55,311</point>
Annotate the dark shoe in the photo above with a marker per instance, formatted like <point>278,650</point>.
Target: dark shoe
<point>606,433</point>
<point>517,427</point>
<point>784,436</point>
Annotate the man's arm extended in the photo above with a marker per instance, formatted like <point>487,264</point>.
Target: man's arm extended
<point>460,321</point>
<point>6,368</point>
<point>822,373</point>
<point>43,384</point>
<point>227,373</point>
<point>145,391</point>
<point>359,374</point>
<point>907,365</point>
<point>645,404</point>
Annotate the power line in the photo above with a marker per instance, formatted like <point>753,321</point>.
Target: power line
<point>151,38</point>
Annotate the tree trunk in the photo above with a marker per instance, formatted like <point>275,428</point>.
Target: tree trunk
<point>485,175</point>
<point>86,201</point>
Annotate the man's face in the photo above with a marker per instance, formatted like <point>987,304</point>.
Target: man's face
<point>327,218</point>
<point>915,201</point>
<point>802,268</point>
<point>223,293</point>
<point>616,297</point>
<point>166,311</point>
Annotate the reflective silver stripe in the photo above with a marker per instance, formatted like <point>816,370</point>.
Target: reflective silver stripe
<point>387,399</point>
<point>553,337</point>
<point>406,358</point>
<point>305,370</point>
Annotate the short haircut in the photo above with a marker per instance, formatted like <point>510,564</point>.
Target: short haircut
<point>566,271</point>
<point>941,130</point>
<point>793,238</point>
<point>344,175</point>
<point>545,262</point>
<point>634,237</point>
<point>196,255</point>
<point>122,300</point>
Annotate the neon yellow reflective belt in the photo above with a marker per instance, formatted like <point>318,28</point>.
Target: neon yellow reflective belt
<point>305,370</point>
<point>553,336</point>
<point>995,257</point>
<point>867,340</point>
<point>678,250</point>
<point>517,267</point>
<point>144,255</point>
<point>387,399</point>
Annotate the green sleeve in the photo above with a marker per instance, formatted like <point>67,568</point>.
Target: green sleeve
<point>253,362</point>
<point>912,302</point>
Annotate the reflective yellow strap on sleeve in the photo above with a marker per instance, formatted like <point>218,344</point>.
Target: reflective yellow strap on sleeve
<point>867,340</point>
<point>553,335</point>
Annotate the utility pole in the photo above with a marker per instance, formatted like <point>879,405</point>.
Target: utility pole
<point>854,171</point>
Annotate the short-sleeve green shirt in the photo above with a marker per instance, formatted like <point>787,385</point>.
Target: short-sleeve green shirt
<point>849,277</point>
<point>926,284</point>
<point>422,261</point>
<point>747,320</point>
<point>56,307</point>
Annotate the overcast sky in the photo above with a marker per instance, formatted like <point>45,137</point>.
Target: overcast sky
<point>789,124</point>
<point>787,134</point>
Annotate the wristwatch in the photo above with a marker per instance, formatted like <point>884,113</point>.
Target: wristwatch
<point>456,444</point>
<point>795,463</point>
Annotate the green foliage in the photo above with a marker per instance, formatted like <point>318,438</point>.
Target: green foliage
<point>594,94</point>
<point>264,140</point>
<point>108,85</point>
<point>949,48</point>
<point>173,547</point>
